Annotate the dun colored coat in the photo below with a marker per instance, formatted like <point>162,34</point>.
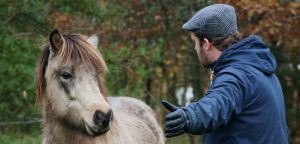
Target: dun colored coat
<point>76,109</point>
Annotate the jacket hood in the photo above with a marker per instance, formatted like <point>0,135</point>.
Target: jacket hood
<point>250,51</point>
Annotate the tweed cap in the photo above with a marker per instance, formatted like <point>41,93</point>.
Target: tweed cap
<point>213,21</point>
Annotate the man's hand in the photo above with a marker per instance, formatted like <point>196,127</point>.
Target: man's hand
<point>176,120</point>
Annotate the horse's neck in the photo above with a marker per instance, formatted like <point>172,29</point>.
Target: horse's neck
<point>57,132</point>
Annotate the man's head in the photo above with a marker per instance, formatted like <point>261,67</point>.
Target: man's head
<point>213,29</point>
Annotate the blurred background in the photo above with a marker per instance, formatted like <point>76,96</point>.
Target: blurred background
<point>148,55</point>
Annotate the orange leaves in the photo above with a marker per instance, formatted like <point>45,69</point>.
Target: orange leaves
<point>60,20</point>
<point>274,21</point>
<point>65,21</point>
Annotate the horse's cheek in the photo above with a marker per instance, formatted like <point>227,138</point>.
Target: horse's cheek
<point>58,101</point>
<point>76,112</point>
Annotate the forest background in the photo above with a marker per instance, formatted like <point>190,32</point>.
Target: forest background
<point>149,56</point>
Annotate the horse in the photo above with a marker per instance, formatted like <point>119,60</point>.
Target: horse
<point>76,109</point>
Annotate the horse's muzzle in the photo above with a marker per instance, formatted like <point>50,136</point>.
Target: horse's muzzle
<point>101,121</point>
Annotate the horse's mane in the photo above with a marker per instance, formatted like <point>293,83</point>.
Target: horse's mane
<point>76,48</point>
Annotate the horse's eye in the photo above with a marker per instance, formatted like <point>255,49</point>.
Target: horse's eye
<point>66,75</point>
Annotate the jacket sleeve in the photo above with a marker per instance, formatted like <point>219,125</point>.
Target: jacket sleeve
<point>223,100</point>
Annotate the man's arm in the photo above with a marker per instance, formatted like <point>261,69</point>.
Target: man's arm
<point>224,99</point>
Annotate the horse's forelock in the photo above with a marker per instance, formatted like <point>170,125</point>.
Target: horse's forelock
<point>74,48</point>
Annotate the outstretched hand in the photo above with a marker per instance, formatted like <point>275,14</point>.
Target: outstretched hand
<point>176,120</point>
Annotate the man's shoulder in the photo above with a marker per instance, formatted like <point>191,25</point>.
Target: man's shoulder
<point>244,74</point>
<point>232,70</point>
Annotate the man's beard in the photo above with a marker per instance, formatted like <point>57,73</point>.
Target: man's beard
<point>203,59</point>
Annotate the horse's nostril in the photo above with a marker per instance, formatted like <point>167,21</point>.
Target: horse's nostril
<point>102,119</point>
<point>108,118</point>
<point>109,115</point>
<point>99,117</point>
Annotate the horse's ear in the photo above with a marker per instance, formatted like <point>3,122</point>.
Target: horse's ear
<point>56,41</point>
<point>93,40</point>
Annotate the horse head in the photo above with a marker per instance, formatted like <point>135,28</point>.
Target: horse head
<point>69,82</point>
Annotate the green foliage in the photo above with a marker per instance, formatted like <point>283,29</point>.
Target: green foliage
<point>20,138</point>
<point>129,70</point>
<point>18,57</point>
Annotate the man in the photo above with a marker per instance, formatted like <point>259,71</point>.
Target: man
<point>245,103</point>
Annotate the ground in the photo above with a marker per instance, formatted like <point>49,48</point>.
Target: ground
<point>35,138</point>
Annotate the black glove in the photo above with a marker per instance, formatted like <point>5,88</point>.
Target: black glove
<point>176,120</point>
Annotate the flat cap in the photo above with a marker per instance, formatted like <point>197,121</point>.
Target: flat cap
<point>217,20</point>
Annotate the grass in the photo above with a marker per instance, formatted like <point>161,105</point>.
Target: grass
<point>183,139</point>
<point>35,138</point>
<point>20,139</point>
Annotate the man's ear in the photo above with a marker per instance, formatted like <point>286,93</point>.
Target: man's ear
<point>207,45</point>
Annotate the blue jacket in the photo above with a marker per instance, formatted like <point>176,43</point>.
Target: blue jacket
<point>245,103</point>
